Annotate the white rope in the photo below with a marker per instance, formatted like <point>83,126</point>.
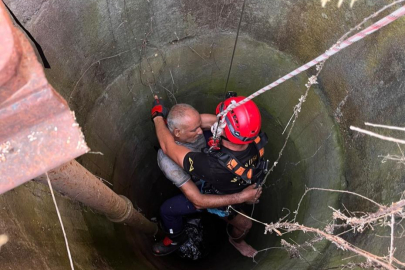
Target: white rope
<point>61,223</point>
<point>246,216</point>
<point>218,128</point>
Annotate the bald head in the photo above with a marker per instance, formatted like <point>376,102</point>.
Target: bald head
<point>184,123</point>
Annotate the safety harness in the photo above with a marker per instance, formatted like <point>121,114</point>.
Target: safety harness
<point>253,173</point>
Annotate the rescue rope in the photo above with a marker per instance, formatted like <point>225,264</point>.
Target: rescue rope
<point>61,222</point>
<point>236,42</point>
<point>333,50</point>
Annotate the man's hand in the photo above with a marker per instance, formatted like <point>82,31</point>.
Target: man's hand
<point>251,194</point>
<point>158,109</point>
<point>203,201</point>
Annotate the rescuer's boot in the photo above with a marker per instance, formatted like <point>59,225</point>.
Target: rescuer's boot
<point>169,244</point>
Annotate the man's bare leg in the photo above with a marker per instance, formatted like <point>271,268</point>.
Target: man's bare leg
<point>241,227</point>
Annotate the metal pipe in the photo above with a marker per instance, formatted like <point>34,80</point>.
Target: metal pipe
<point>76,182</point>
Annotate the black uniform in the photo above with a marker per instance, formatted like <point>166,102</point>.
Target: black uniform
<point>206,167</point>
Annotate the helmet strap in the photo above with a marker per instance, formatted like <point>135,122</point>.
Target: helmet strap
<point>225,138</point>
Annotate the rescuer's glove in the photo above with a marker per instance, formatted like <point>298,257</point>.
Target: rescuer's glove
<point>158,109</point>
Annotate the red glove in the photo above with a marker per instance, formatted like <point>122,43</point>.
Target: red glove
<point>158,109</point>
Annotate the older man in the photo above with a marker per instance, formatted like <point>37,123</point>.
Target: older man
<point>185,127</point>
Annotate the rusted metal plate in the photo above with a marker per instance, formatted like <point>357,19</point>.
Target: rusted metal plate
<point>38,132</point>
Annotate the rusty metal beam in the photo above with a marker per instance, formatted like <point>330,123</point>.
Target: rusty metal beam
<point>38,131</point>
<point>74,181</point>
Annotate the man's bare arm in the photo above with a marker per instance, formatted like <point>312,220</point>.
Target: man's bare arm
<point>202,201</point>
<point>207,120</point>
<point>169,147</point>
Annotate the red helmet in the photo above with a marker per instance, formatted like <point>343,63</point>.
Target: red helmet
<point>242,123</point>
